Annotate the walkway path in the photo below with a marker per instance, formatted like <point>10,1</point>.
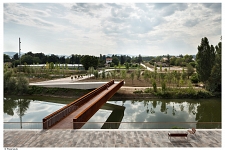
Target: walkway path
<point>110,138</point>
<point>68,79</point>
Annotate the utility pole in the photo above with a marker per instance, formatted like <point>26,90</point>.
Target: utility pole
<point>19,51</point>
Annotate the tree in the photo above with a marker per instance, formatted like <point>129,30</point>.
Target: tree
<point>16,56</point>
<point>139,59</point>
<point>28,59</point>
<point>22,84</point>
<point>62,60</point>
<point>132,76</point>
<point>215,77</point>
<point>190,70</point>
<point>101,61</point>
<point>154,85</point>
<point>7,76</point>
<point>203,59</point>
<point>91,70</point>
<point>103,74</point>
<point>146,76</point>
<point>36,60</point>
<point>163,86</point>
<point>128,59</point>
<point>96,74</point>
<point>188,58</point>
<point>124,74</point>
<point>122,59</point>
<point>127,65</point>
<point>115,61</point>
<point>194,78</point>
<point>6,58</point>
<point>168,59</point>
<point>173,60</point>
<point>138,73</point>
<point>42,57</point>
<point>72,59</point>
<point>89,61</point>
<point>53,58</point>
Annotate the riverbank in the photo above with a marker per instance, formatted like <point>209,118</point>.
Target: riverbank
<point>125,92</point>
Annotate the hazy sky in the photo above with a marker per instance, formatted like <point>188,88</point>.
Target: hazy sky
<point>110,28</point>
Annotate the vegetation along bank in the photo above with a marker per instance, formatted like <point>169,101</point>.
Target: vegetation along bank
<point>160,77</point>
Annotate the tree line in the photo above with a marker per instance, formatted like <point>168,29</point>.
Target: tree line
<point>86,60</point>
<point>207,63</point>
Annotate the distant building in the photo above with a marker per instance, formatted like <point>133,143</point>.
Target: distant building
<point>108,60</point>
<point>158,64</point>
<point>164,59</point>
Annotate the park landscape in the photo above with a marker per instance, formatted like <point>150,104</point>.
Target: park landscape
<point>179,74</point>
<point>173,84</point>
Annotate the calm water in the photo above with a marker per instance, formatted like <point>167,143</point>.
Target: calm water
<point>157,113</point>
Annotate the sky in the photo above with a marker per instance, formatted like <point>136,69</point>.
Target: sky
<point>148,29</point>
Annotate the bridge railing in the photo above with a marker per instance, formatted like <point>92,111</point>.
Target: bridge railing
<point>58,115</point>
<point>92,108</point>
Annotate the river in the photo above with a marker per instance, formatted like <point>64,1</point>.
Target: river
<point>28,112</point>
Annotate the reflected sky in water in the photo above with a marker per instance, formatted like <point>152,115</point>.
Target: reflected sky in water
<point>36,111</point>
<point>132,111</point>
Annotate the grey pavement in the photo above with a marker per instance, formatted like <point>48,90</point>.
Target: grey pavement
<point>68,79</point>
<point>150,69</point>
<point>103,138</point>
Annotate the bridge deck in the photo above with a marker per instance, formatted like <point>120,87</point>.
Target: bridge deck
<point>67,122</point>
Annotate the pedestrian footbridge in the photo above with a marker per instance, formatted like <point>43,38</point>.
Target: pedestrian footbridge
<point>77,113</point>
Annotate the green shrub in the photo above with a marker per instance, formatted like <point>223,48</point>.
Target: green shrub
<point>165,94</point>
<point>204,94</point>
<point>181,93</point>
<point>138,92</point>
<point>147,90</point>
<point>11,84</point>
<point>7,76</point>
<point>194,78</point>
<point>163,87</point>
<point>22,84</point>
<point>154,86</point>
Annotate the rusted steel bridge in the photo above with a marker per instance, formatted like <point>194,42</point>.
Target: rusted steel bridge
<point>75,114</point>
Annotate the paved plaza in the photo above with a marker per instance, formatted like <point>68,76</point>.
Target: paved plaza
<point>110,138</point>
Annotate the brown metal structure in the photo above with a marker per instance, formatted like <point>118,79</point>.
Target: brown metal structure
<point>82,109</point>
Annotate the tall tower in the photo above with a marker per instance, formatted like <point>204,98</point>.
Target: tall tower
<point>19,51</point>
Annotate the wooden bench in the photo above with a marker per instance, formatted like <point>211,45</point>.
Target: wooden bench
<point>177,135</point>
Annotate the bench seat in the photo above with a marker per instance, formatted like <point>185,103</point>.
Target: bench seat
<point>177,135</point>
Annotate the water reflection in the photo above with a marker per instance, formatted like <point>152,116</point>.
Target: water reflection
<point>20,105</point>
<point>154,111</point>
<point>9,106</point>
<point>27,110</point>
<point>116,116</point>
<point>169,111</point>
<point>23,105</point>
<point>207,112</point>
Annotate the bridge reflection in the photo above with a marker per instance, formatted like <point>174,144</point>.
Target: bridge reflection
<point>116,116</point>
